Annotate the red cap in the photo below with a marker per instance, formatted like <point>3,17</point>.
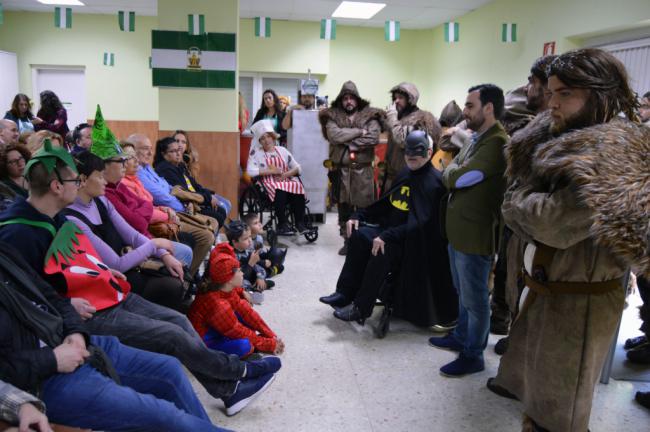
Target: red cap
<point>223,263</point>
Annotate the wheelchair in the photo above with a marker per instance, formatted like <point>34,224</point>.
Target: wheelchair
<point>255,200</point>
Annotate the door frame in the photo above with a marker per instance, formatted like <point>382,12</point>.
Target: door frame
<point>36,99</point>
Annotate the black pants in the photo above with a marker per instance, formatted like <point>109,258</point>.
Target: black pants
<point>163,290</point>
<point>297,203</point>
<point>363,275</point>
<point>644,312</point>
<point>345,211</point>
<point>499,306</point>
<point>218,213</point>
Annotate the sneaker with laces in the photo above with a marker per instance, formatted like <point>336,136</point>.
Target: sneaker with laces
<point>246,392</point>
<point>256,368</point>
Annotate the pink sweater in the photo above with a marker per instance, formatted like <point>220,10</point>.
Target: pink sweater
<point>134,184</point>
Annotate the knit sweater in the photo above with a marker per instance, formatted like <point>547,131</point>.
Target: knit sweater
<point>135,211</point>
<point>232,316</point>
<point>133,183</point>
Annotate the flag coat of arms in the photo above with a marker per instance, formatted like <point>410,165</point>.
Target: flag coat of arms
<point>179,59</point>
<point>126,20</point>
<point>63,18</point>
<point>263,27</point>
<point>196,24</point>
<point>328,29</point>
<point>452,30</point>
<point>391,31</point>
<point>509,32</point>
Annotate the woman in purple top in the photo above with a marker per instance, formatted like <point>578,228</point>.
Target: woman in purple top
<point>54,117</point>
<point>118,244</point>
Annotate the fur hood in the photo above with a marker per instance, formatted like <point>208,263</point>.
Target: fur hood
<point>410,90</point>
<point>609,164</point>
<point>340,117</point>
<point>421,120</point>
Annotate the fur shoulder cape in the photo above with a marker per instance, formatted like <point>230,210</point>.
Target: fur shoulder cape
<point>609,164</point>
<point>339,116</point>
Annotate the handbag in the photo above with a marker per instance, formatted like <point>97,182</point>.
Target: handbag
<point>168,230</point>
<point>199,220</point>
<point>185,195</point>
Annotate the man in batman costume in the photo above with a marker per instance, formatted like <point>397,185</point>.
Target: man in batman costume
<point>396,249</point>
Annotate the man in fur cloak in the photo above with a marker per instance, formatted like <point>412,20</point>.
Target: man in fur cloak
<point>402,117</point>
<point>352,128</point>
<point>580,198</point>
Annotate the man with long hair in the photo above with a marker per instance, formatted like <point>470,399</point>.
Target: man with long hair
<point>584,218</point>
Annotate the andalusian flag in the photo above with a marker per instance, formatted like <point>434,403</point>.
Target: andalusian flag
<point>179,59</point>
<point>196,24</point>
<point>263,27</point>
<point>126,20</point>
<point>509,32</point>
<point>328,29</point>
<point>109,59</point>
<point>63,19</point>
<point>391,31</point>
<point>451,32</point>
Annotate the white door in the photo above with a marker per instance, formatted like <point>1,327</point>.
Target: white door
<point>9,81</point>
<point>69,85</point>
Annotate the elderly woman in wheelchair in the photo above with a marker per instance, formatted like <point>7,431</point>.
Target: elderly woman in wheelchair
<point>277,171</point>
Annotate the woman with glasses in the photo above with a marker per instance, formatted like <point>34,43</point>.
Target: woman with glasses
<point>168,163</point>
<point>12,164</point>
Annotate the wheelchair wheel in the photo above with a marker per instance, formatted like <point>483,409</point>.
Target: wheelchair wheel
<point>250,202</point>
<point>312,235</point>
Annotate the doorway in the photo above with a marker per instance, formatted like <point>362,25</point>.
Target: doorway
<point>69,84</point>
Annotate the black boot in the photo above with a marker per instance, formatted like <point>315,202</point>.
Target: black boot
<point>498,390</point>
<point>643,398</point>
<point>501,346</point>
<point>384,323</point>
<point>344,249</point>
<point>349,313</point>
<point>640,355</point>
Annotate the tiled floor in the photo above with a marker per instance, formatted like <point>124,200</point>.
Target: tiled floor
<point>338,377</point>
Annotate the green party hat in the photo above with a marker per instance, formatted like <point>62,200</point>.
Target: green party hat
<point>47,155</point>
<point>104,145</point>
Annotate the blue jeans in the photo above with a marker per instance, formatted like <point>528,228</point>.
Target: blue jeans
<point>155,394</point>
<point>183,253</point>
<point>470,274</point>
<point>216,341</point>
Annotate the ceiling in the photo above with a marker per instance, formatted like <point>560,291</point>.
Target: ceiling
<point>412,14</point>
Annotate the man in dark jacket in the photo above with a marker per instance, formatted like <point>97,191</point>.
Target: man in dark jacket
<point>400,234</point>
<point>45,350</point>
<point>352,128</point>
<point>476,183</point>
<point>31,225</point>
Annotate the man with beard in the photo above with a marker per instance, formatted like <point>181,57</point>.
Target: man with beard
<point>521,108</point>
<point>402,117</point>
<point>399,234</point>
<point>307,98</point>
<point>585,224</point>
<point>475,181</point>
<point>352,128</point>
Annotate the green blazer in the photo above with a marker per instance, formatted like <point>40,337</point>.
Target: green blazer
<point>474,213</point>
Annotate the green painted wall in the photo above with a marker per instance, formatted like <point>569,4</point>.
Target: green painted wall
<point>480,56</point>
<point>441,71</point>
<point>124,91</point>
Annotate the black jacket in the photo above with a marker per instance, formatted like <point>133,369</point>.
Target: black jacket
<point>30,311</point>
<point>280,116</point>
<point>175,176</point>
<point>423,292</point>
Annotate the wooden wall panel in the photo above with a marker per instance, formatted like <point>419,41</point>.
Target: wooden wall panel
<point>123,128</point>
<point>218,162</point>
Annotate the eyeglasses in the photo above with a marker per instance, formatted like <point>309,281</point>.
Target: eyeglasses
<point>120,161</point>
<point>16,161</point>
<point>76,181</point>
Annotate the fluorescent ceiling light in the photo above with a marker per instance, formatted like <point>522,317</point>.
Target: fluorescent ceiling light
<point>357,10</point>
<point>62,2</point>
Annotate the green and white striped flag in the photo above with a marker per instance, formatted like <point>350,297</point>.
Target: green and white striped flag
<point>263,27</point>
<point>509,32</point>
<point>109,59</point>
<point>63,20</point>
<point>2,15</point>
<point>126,20</point>
<point>328,29</point>
<point>391,31</point>
<point>452,30</point>
<point>182,60</point>
<point>196,24</point>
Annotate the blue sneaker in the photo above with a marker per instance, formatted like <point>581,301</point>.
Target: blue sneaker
<point>462,366</point>
<point>261,367</point>
<point>246,392</point>
<point>448,343</point>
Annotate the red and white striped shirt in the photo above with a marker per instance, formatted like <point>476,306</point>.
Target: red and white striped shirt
<point>274,182</point>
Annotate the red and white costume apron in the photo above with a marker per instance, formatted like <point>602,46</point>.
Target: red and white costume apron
<point>274,182</point>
